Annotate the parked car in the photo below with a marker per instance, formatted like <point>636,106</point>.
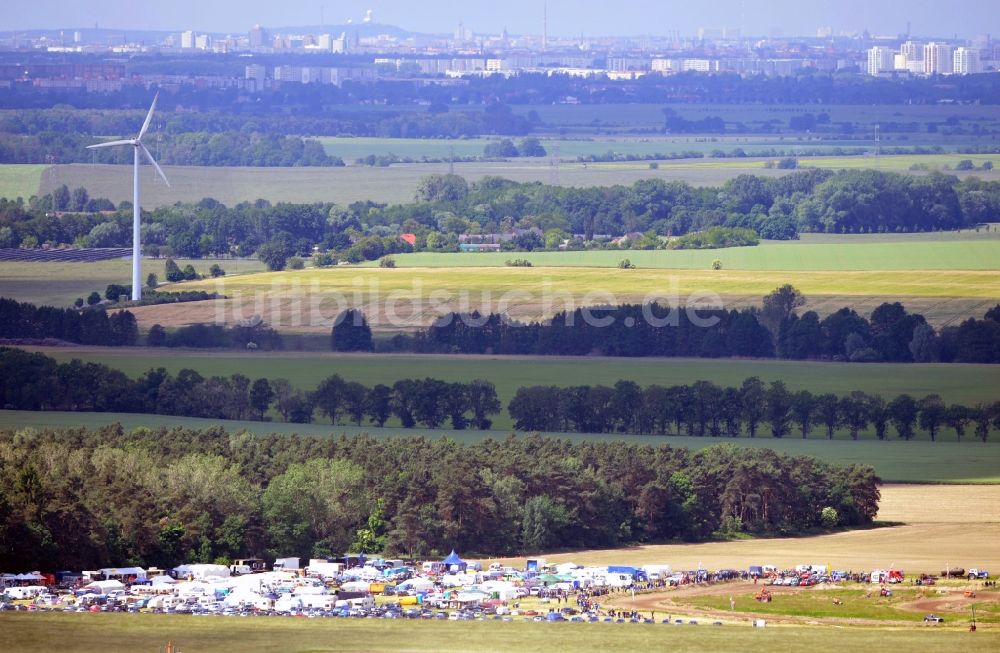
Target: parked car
<point>933,619</point>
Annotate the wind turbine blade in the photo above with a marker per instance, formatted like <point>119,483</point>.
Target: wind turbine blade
<point>109,144</point>
<point>155,164</point>
<point>149,117</point>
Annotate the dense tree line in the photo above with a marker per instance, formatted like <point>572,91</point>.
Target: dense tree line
<point>272,121</point>
<point>33,381</point>
<point>88,326</point>
<point>775,329</point>
<point>82,499</point>
<point>446,206</point>
<point>341,109</point>
<point>216,336</point>
<point>705,409</point>
<point>184,149</point>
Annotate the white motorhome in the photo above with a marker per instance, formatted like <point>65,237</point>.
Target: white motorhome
<point>657,572</point>
<point>27,592</point>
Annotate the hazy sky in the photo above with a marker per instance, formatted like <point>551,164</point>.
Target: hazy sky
<point>566,17</point>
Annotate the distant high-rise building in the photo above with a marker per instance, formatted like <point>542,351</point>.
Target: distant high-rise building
<point>187,40</point>
<point>937,59</point>
<point>912,51</point>
<point>203,42</point>
<point>257,37</point>
<point>256,75</point>
<point>880,60</point>
<point>967,61</point>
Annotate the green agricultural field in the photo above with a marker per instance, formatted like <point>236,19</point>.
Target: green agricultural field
<point>905,252</point>
<point>115,633</point>
<point>630,118</point>
<point>398,183</point>
<point>945,461</point>
<point>58,284</point>
<point>966,384</point>
<point>352,148</point>
<point>20,180</point>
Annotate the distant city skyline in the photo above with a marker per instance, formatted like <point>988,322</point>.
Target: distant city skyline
<point>566,18</point>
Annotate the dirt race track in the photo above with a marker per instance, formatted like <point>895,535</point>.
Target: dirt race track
<point>953,605</point>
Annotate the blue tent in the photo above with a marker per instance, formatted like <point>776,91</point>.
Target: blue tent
<point>454,561</point>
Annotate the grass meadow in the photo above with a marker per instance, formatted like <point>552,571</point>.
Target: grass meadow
<point>116,633</point>
<point>20,180</point>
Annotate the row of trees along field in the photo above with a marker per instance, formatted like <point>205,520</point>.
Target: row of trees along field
<point>405,108</point>
<point>445,206</point>
<point>775,330</point>
<point>185,149</point>
<point>79,499</point>
<point>705,409</point>
<point>889,334</point>
<point>33,381</point>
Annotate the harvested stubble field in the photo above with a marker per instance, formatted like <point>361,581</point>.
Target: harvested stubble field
<point>114,633</point>
<point>940,526</point>
<point>399,299</point>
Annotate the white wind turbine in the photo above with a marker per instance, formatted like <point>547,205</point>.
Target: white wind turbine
<point>137,145</point>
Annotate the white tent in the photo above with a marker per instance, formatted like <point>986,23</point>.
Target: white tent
<point>415,584</point>
<point>104,586</point>
<point>470,597</point>
<point>505,591</point>
<point>202,571</point>
<point>162,580</point>
<point>355,586</point>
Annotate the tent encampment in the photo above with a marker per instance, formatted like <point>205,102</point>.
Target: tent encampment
<point>454,563</point>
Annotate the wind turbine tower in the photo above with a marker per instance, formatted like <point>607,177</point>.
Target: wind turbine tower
<point>137,145</point>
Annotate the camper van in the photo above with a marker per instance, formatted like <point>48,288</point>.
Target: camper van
<point>247,566</point>
<point>286,564</point>
<point>28,592</point>
<point>321,569</point>
<point>536,564</point>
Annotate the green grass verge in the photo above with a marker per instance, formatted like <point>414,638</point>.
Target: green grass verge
<point>68,633</point>
<point>20,179</point>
